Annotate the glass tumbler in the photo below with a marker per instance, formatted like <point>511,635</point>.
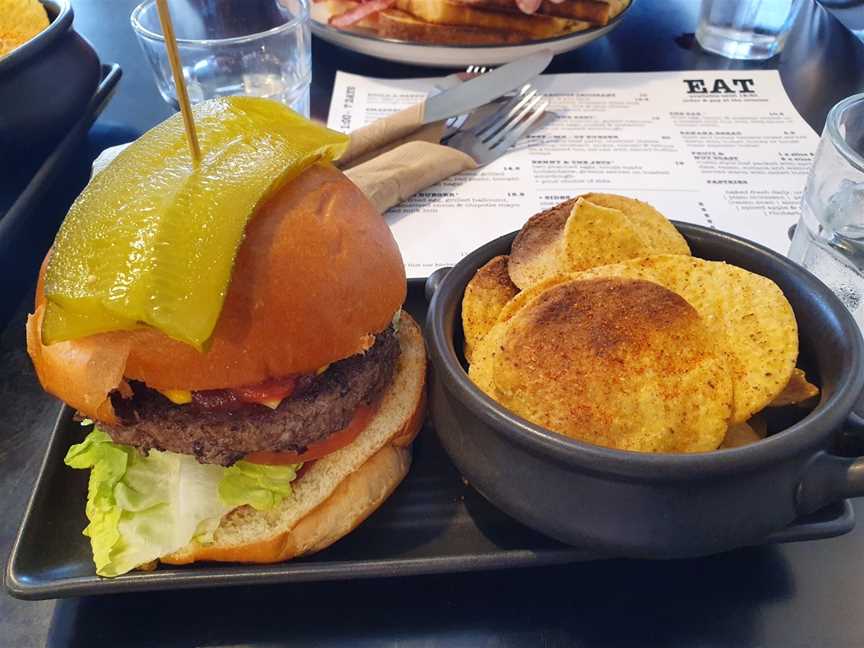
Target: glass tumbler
<point>232,47</point>
<point>829,238</point>
<point>745,29</point>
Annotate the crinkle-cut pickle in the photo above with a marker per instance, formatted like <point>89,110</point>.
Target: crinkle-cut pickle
<point>152,239</point>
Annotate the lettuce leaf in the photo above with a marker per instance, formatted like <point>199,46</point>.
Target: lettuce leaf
<point>258,485</point>
<point>142,507</point>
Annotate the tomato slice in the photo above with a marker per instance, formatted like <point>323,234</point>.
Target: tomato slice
<point>332,443</point>
<point>274,389</point>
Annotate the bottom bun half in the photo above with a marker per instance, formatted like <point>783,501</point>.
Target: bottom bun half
<point>340,490</point>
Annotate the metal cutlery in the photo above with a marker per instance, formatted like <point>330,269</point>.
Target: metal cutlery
<point>468,95</point>
<point>455,123</point>
<point>475,138</point>
<point>453,80</point>
<point>459,99</point>
<point>394,176</point>
<point>494,135</point>
<point>469,120</point>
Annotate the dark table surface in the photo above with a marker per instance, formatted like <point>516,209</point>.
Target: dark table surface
<point>806,594</point>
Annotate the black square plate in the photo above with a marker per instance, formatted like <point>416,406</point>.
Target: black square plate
<point>434,523</point>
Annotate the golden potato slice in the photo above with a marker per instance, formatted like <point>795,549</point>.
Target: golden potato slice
<point>738,435</point>
<point>741,434</point>
<point>483,354</point>
<point>591,230</point>
<point>653,227</point>
<point>524,296</point>
<point>485,295</point>
<point>480,369</point>
<point>20,20</point>
<point>797,390</point>
<point>748,314</point>
<point>621,363</point>
<point>759,425</point>
<point>534,253</point>
<point>595,236</point>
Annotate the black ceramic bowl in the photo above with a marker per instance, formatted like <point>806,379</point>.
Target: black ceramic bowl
<point>45,84</point>
<point>655,505</point>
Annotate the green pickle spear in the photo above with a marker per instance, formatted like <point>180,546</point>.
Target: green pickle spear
<point>152,239</point>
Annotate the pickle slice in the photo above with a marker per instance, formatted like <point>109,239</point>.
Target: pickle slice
<point>152,239</point>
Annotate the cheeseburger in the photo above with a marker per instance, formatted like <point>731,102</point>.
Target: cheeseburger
<point>281,427</point>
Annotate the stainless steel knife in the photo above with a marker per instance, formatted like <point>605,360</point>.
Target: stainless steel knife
<point>458,100</point>
<point>471,94</point>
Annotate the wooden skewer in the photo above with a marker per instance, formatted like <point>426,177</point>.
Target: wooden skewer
<point>179,81</point>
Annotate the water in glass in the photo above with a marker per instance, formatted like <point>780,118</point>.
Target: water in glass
<point>233,47</point>
<point>829,238</point>
<point>745,29</point>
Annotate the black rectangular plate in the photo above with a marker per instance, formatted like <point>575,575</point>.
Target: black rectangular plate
<point>434,523</point>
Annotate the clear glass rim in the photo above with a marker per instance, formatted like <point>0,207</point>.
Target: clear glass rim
<point>832,123</point>
<point>143,32</point>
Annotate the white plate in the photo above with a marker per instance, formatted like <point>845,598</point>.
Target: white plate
<point>452,56</point>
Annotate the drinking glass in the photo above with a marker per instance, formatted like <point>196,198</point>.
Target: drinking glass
<point>829,238</point>
<point>745,29</point>
<point>232,47</point>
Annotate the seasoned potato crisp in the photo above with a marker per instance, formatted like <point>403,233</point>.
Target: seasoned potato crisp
<point>20,20</point>
<point>621,363</point>
<point>485,296</point>
<point>480,370</point>
<point>596,236</point>
<point>652,226</point>
<point>588,231</point>
<point>797,390</point>
<point>748,314</point>
<point>620,338</point>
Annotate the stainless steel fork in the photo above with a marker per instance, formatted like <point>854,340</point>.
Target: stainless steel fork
<point>491,138</point>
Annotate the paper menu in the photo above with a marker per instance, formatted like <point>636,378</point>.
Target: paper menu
<point>720,148</point>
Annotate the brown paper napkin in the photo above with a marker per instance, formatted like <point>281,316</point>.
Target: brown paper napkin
<point>393,158</point>
<point>381,133</point>
<point>389,132</point>
<point>394,176</point>
<point>426,133</point>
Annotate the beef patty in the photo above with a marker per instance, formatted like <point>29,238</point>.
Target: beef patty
<point>319,406</point>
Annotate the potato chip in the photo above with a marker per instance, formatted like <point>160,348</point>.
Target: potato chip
<point>797,390</point>
<point>621,363</point>
<point>594,229</point>
<point>653,227</point>
<point>480,369</point>
<point>595,236</point>
<point>483,354</point>
<point>485,295</point>
<point>20,20</point>
<point>524,296</point>
<point>747,312</point>
<point>759,425</point>
<point>742,434</point>
<point>739,435</point>
<point>534,253</point>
